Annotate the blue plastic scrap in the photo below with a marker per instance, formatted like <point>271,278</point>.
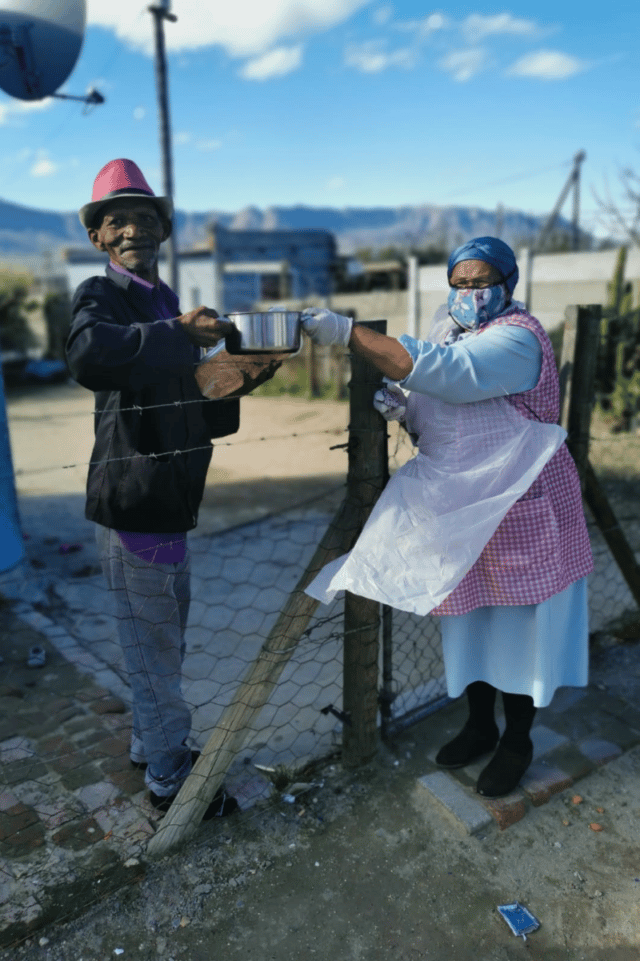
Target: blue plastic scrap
<point>520,919</point>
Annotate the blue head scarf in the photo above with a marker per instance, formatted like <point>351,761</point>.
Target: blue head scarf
<point>491,251</point>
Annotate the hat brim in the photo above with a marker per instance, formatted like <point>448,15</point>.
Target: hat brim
<point>89,211</point>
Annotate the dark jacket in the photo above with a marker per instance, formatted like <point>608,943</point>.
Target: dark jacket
<point>149,463</point>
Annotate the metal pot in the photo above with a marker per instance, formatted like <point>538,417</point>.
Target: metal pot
<point>273,331</point>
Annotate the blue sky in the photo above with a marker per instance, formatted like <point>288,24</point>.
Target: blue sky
<point>344,103</point>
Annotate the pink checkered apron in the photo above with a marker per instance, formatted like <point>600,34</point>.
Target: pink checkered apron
<point>542,545</point>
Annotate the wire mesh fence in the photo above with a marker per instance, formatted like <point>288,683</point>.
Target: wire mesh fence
<point>615,458</point>
<point>242,575</point>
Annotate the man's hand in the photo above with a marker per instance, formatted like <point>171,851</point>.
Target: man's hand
<point>204,328</point>
<point>234,375</point>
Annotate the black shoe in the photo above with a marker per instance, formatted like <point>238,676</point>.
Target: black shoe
<point>503,772</point>
<point>468,746</point>
<point>142,765</point>
<point>221,806</point>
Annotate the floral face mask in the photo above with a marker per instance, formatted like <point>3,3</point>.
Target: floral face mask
<point>473,307</point>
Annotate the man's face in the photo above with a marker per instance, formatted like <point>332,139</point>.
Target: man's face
<point>131,232</point>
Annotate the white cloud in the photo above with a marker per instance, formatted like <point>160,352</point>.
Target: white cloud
<point>463,65</point>
<point>139,113</point>
<point>425,27</point>
<point>273,63</point>
<point>477,26</point>
<point>371,57</point>
<point>382,15</point>
<point>245,28</point>
<point>335,183</point>
<point>10,113</point>
<point>207,145</point>
<point>44,166</point>
<point>547,65</point>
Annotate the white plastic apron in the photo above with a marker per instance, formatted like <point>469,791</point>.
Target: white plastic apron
<point>439,510</point>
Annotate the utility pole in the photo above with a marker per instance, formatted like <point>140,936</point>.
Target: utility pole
<point>161,12</point>
<point>573,181</point>
<point>577,161</point>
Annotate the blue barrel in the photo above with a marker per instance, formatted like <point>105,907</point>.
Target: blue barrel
<point>11,543</point>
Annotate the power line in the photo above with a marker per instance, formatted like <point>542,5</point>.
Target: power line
<point>506,180</point>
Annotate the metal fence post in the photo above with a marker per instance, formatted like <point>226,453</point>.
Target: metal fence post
<point>367,476</point>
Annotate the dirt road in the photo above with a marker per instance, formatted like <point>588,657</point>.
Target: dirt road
<point>281,455</point>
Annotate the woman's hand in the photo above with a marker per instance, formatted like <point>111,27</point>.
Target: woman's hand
<point>391,402</point>
<point>324,327</point>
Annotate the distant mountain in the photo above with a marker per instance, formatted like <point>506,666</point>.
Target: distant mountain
<point>30,234</point>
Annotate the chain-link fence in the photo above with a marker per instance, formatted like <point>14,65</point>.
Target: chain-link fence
<point>243,575</point>
<point>615,458</point>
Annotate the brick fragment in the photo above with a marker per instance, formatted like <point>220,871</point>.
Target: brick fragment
<point>92,694</point>
<point>109,747</point>
<point>8,800</point>
<point>108,705</point>
<point>599,751</point>
<point>59,705</point>
<point>68,762</point>
<point>15,819</point>
<point>131,782</point>
<point>20,830</point>
<point>541,782</point>
<point>507,810</point>
<point>54,747</point>
<point>78,834</point>
<point>81,777</point>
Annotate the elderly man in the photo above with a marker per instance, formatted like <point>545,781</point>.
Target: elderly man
<point>131,345</point>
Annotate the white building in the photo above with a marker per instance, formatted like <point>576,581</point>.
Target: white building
<point>240,268</point>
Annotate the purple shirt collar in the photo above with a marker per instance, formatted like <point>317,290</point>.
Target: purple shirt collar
<point>165,302</point>
<point>139,280</point>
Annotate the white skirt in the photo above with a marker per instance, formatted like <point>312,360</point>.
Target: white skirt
<point>532,649</point>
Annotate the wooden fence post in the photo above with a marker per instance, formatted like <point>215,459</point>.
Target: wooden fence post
<point>577,379</point>
<point>231,732</point>
<point>312,370</point>
<point>367,475</point>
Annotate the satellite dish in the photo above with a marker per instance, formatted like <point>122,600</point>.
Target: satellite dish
<point>40,41</point>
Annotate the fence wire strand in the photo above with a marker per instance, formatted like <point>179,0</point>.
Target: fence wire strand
<point>76,721</point>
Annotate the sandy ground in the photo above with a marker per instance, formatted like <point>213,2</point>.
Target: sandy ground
<point>281,455</point>
<point>362,868</point>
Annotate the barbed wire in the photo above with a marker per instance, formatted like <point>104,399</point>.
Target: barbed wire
<point>20,472</point>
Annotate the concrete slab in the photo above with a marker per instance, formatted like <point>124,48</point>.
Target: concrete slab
<point>467,813</point>
<point>545,740</point>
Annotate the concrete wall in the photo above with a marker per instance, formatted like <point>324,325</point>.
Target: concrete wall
<point>195,275</point>
<point>557,280</point>
<point>389,305</point>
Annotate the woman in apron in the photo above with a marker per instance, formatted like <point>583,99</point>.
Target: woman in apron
<point>485,526</point>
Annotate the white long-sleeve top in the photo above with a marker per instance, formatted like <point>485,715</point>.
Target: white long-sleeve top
<point>504,360</point>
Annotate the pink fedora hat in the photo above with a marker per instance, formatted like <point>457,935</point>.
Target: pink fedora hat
<point>121,178</point>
